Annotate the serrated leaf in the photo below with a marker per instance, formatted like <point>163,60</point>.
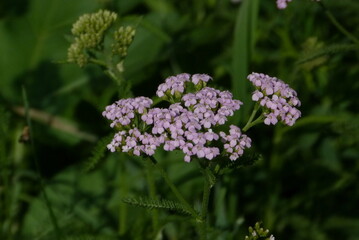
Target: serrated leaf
<point>97,153</point>
<point>248,159</point>
<point>157,204</point>
<point>314,54</point>
<point>211,178</point>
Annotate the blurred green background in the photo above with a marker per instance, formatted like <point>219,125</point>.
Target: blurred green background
<point>305,186</point>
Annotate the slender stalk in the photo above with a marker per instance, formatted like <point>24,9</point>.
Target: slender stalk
<point>249,124</point>
<point>255,122</point>
<point>123,189</point>
<point>110,73</point>
<point>107,70</point>
<point>37,168</point>
<point>202,224</point>
<point>174,189</point>
<point>153,194</point>
<point>335,22</point>
<point>98,62</point>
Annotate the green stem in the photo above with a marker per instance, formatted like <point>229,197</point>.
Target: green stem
<point>337,24</point>
<point>174,189</point>
<point>250,124</point>
<point>255,122</point>
<point>153,194</point>
<point>107,70</point>
<point>202,223</point>
<point>98,62</point>
<point>53,219</point>
<point>157,100</point>
<point>111,74</point>
<point>123,190</point>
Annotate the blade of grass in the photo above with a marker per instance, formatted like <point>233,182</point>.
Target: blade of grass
<point>243,44</point>
<point>37,167</point>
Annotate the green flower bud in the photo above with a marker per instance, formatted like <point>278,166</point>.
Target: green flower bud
<point>258,233</point>
<point>89,32</point>
<point>94,22</point>
<point>76,54</point>
<point>123,39</point>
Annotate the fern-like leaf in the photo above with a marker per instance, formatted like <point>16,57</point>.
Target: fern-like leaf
<point>157,204</point>
<point>248,159</point>
<point>97,153</point>
<point>317,53</point>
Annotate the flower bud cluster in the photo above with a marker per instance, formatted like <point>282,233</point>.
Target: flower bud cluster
<point>123,39</point>
<point>277,99</point>
<point>186,125</point>
<point>259,233</point>
<point>89,32</point>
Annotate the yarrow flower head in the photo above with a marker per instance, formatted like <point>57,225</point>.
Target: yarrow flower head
<point>122,112</point>
<point>235,142</point>
<point>282,4</point>
<point>277,99</point>
<point>186,125</point>
<point>174,86</point>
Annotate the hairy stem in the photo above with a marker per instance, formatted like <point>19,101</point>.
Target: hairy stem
<point>202,223</point>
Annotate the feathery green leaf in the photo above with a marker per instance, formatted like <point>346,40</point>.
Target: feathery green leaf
<point>97,153</point>
<point>327,51</point>
<point>158,204</point>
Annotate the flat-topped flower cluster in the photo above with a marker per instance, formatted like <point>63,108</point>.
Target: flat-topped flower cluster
<point>191,122</point>
<point>187,124</point>
<point>277,99</point>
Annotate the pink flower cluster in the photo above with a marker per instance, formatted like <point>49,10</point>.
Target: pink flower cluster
<point>281,4</point>
<point>123,111</point>
<point>235,142</point>
<point>175,85</point>
<point>185,125</point>
<point>278,100</point>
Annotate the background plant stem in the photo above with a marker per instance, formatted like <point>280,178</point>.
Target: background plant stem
<point>52,216</point>
<point>334,21</point>
<point>174,189</point>
<point>153,194</point>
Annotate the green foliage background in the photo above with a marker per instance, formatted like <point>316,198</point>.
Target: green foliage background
<point>304,187</point>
